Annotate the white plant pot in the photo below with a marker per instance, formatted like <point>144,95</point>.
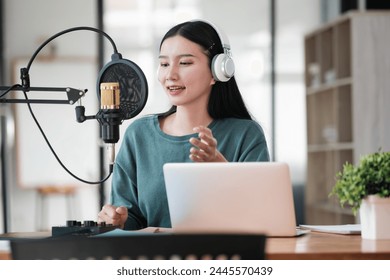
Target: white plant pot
<point>375,217</point>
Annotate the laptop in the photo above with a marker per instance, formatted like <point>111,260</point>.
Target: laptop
<point>246,197</point>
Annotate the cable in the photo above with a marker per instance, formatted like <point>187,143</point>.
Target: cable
<point>26,84</point>
<point>9,89</point>
<point>55,154</point>
<point>25,72</point>
<point>67,31</point>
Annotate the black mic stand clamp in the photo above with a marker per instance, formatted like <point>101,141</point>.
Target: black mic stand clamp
<point>110,120</point>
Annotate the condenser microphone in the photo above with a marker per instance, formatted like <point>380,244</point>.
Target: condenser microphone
<point>123,91</point>
<point>110,117</point>
<point>110,110</point>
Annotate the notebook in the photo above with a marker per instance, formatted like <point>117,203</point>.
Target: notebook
<point>250,197</point>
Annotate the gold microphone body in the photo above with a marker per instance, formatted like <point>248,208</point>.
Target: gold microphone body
<point>110,116</point>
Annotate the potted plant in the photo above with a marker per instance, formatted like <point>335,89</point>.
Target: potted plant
<point>365,187</point>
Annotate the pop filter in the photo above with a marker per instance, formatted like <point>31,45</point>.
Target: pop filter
<point>132,82</point>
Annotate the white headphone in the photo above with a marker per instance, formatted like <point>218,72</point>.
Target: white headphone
<point>222,65</point>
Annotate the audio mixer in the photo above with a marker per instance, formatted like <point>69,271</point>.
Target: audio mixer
<point>86,228</point>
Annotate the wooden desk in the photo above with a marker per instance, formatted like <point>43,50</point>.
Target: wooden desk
<point>325,246</point>
<point>5,255</point>
<point>317,246</point>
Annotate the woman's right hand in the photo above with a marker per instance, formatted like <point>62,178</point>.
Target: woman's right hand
<point>114,215</point>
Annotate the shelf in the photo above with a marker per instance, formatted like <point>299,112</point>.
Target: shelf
<point>347,66</point>
<point>331,86</point>
<point>329,215</point>
<point>330,147</point>
<point>329,116</point>
<point>336,210</point>
<point>328,57</point>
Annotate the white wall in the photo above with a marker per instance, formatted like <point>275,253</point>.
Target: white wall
<point>27,24</point>
<point>294,20</point>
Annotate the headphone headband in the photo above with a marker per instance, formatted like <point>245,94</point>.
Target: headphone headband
<point>222,35</point>
<point>222,65</point>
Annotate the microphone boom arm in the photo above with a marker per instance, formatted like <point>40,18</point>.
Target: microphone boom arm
<point>73,95</point>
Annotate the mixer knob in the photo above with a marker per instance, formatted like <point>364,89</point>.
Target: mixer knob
<point>71,223</point>
<point>89,223</point>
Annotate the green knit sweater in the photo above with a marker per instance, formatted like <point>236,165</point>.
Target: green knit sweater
<point>138,181</point>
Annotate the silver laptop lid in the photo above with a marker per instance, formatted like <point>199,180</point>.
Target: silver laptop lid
<point>250,197</point>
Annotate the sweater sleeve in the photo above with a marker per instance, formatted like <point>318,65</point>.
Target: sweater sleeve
<point>124,193</point>
<point>254,146</point>
<point>124,185</point>
<point>241,140</point>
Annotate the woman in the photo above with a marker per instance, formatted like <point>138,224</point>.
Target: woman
<point>208,122</point>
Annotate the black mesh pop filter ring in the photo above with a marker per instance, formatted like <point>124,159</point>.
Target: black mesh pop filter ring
<point>132,81</point>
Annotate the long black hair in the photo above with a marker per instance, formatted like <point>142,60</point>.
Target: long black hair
<point>225,99</point>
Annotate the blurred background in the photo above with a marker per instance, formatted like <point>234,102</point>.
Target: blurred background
<point>267,40</point>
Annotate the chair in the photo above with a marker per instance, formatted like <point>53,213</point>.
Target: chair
<point>47,191</point>
<point>143,247</point>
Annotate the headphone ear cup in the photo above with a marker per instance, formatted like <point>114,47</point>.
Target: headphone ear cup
<point>222,67</point>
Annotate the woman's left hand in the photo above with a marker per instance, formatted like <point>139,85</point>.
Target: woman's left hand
<point>205,149</point>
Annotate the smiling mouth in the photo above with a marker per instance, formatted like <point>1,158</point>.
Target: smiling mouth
<point>175,88</point>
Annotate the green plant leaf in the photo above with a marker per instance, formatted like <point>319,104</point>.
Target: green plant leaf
<point>370,176</point>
